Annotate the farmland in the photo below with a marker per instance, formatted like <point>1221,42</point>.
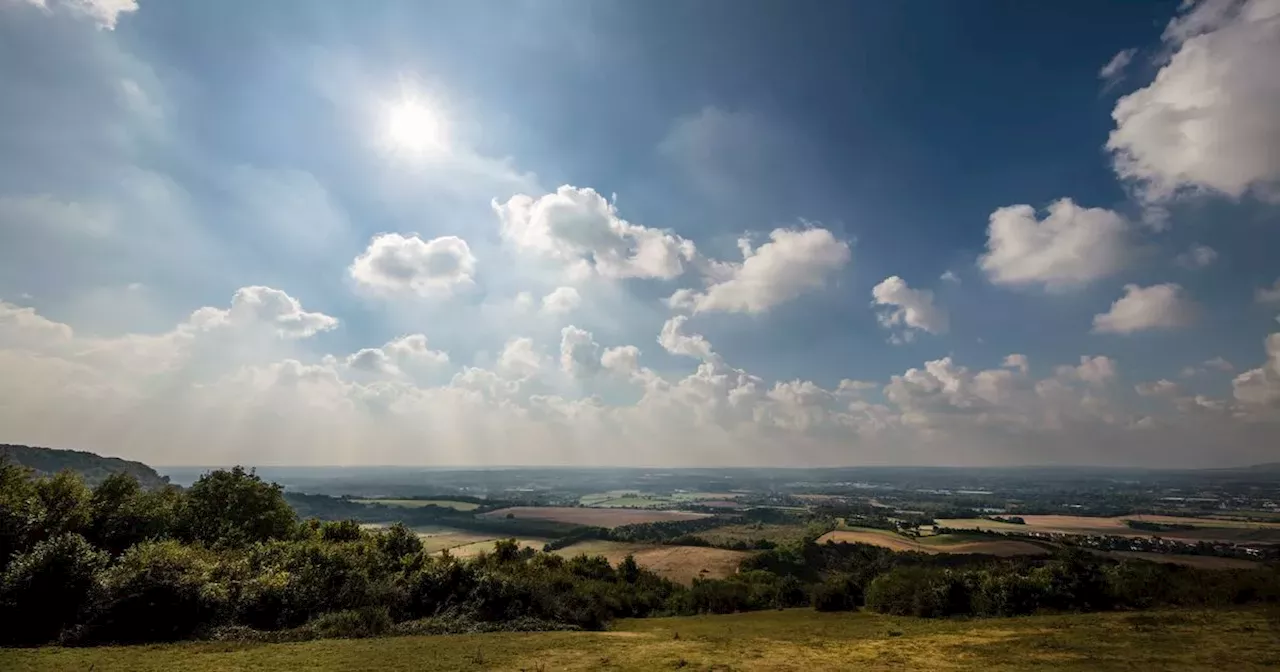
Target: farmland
<point>749,532</point>
<point>678,563</point>
<point>936,544</point>
<point>1202,529</point>
<point>599,517</point>
<point>791,640</point>
<point>419,503</point>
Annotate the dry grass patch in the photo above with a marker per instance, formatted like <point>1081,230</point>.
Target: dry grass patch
<point>945,543</point>
<point>677,563</point>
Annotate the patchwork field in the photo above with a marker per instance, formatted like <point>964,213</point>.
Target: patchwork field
<point>1205,529</point>
<point>944,543</point>
<point>797,640</point>
<point>419,503</point>
<point>600,517</point>
<point>678,563</point>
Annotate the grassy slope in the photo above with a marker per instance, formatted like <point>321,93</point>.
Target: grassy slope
<point>1240,641</point>
<point>419,503</point>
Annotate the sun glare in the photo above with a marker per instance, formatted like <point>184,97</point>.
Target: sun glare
<point>415,127</point>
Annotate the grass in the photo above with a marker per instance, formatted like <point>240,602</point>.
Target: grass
<point>419,503</point>
<point>602,517</point>
<point>799,640</point>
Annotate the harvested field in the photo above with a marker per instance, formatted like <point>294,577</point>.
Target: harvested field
<point>946,543</point>
<point>1200,561</point>
<point>599,517</point>
<point>678,563</point>
<point>419,503</point>
<point>1205,529</point>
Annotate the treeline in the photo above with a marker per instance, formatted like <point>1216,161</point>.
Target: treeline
<point>325,507</point>
<point>227,558</point>
<point>92,467</point>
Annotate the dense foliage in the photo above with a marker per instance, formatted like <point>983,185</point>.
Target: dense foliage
<point>227,558</point>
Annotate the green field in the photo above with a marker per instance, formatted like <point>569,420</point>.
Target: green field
<point>1240,641</point>
<point>419,503</point>
<point>778,534</point>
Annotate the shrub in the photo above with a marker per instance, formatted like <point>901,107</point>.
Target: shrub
<point>234,508</point>
<point>47,588</point>
<point>352,623</point>
<point>159,591</point>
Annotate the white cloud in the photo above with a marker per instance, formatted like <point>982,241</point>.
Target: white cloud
<point>1197,257</point>
<point>1070,246</point>
<point>583,230</point>
<point>1210,120</point>
<point>793,262</point>
<point>206,391</point>
<point>269,306</point>
<point>1113,71</point>
<point>1259,389</point>
<point>1098,370</point>
<point>395,263</point>
<point>406,353</point>
<point>561,301</point>
<point>1163,306</point>
<point>1159,388</point>
<point>624,359</point>
<point>913,308</point>
<point>1017,361</point>
<point>1268,294</point>
<point>520,358</point>
<point>673,339</point>
<point>104,13</point>
<point>949,276</point>
<point>579,352</point>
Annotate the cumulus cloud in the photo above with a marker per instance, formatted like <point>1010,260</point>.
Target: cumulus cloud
<point>579,352</point>
<point>1071,246</point>
<point>397,264</point>
<point>912,308</point>
<point>62,388</point>
<point>406,353</point>
<point>1159,388</point>
<point>793,262</point>
<point>1268,294</point>
<point>561,301</point>
<point>264,305</point>
<point>1163,306</point>
<point>1097,370</point>
<point>673,339</point>
<point>1017,361</point>
<point>1210,120</point>
<point>1197,257</point>
<point>1259,389</point>
<point>578,227</point>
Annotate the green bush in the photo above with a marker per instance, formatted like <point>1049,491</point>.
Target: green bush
<point>353,623</point>
<point>48,589</point>
<point>159,591</point>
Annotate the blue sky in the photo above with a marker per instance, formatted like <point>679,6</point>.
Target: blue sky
<point>438,227</point>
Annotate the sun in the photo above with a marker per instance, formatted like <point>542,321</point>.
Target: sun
<point>415,127</point>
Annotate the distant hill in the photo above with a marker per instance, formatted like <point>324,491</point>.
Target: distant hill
<point>94,468</point>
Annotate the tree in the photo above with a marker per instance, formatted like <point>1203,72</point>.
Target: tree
<point>234,508</point>
<point>18,508</point>
<point>64,506</point>
<point>47,588</point>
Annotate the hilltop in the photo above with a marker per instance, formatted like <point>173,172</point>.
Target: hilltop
<point>92,467</point>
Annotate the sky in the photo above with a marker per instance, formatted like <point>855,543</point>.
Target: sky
<point>662,233</point>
